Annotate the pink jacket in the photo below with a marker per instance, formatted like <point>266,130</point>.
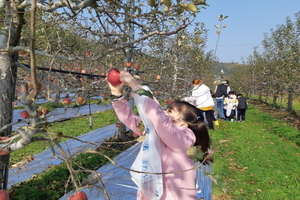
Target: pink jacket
<point>174,143</point>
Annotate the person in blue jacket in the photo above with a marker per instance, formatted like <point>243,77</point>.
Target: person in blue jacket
<point>221,92</point>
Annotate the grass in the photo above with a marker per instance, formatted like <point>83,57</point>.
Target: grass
<point>73,128</point>
<point>260,158</point>
<point>296,102</point>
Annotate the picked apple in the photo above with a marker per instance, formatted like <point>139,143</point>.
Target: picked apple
<point>25,114</point>
<point>79,196</point>
<point>4,195</point>
<point>113,76</point>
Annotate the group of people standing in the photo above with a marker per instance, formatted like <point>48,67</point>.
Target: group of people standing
<point>228,104</point>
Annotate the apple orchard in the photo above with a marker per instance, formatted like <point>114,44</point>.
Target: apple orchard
<point>51,49</point>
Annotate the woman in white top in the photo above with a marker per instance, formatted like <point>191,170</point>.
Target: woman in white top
<point>202,99</point>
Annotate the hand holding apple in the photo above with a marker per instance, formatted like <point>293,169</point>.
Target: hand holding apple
<point>114,82</point>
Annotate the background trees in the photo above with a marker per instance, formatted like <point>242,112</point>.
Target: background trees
<point>274,73</point>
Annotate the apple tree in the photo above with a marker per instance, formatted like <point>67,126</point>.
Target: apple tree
<point>103,28</point>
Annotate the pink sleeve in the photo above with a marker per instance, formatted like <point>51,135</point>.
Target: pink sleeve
<point>126,115</point>
<point>175,137</point>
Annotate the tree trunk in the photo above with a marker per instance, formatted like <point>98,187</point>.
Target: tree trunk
<point>275,97</point>
<point>9,36</point>
<point>290,99</point>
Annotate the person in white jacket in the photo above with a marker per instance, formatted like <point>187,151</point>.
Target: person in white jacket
<point>202,99</point>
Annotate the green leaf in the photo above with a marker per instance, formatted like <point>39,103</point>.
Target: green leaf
<point>151,3</point>
<point>190,7</point>
<point>167,3</point>
<point>144,92</point>
<point>200,2</point>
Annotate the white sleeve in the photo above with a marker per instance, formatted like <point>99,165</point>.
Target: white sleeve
<point>228,89</point>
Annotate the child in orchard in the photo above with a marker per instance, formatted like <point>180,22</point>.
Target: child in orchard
<point>241,108</point>
<point>179,127</point>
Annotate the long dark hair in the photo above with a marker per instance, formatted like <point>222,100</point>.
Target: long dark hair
<point>195,121</point>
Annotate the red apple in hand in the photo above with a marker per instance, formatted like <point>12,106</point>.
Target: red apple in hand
<point>4,195</point>
<point>113,76</point>
<point>25,114</point>
<point>79,196</point>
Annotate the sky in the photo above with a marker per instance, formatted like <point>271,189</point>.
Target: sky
<point>247,22</point>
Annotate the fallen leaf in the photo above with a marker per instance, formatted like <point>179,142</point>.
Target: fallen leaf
<point>243,169</point>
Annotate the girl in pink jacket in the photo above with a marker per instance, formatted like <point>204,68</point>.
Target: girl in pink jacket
<point>179,127</point>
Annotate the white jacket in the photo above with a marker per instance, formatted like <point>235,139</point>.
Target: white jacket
<point>201,98</point>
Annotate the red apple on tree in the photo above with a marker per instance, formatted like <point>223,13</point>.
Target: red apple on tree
<point>4,195</point>
<point>136,66</point>
<point>80,100</point>
<point>30,85</point>
<point>40,113</point>
<point>25,114</point>
<point>128,63</point>
<point>66,101</point>
<point>87,53</point>
<point>2,153</point>
<point>158,77</point>
<point>79,196</point>
<point>113,76</point>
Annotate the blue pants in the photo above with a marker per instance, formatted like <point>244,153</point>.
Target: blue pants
<point>220,106</point>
